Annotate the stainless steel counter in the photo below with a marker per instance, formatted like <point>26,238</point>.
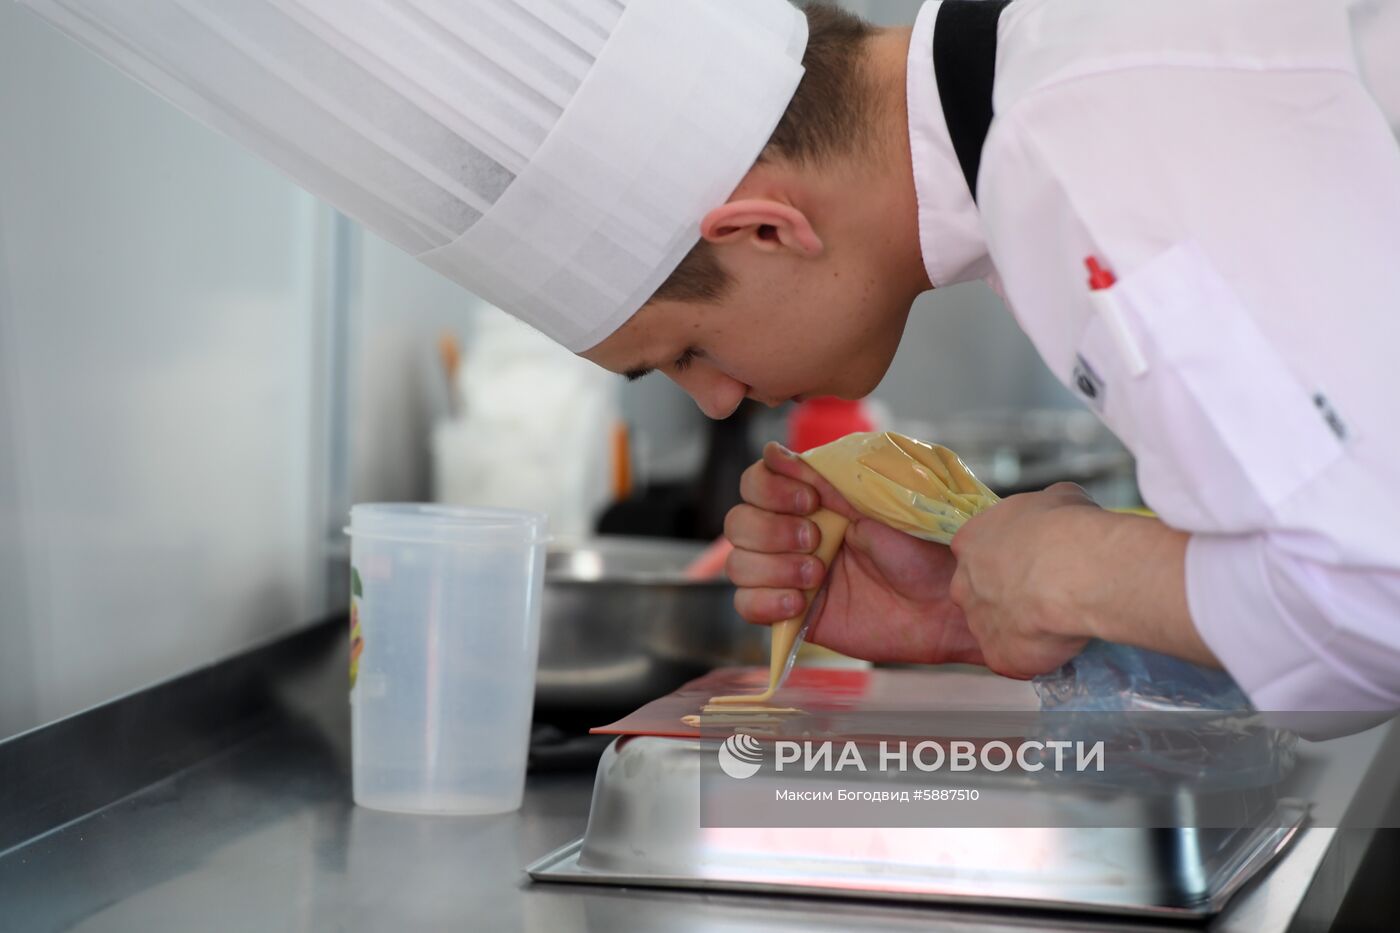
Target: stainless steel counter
<point>263,836</point>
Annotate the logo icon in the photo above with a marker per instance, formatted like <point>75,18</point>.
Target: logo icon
<point>740,756</point>
<point>1087,381</point>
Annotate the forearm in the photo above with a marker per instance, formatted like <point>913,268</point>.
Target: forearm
<point>1126,576</point>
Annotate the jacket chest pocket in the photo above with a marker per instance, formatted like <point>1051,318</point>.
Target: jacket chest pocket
<point>1223,429</point>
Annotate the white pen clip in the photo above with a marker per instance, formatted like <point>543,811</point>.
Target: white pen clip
<point>1102,297</point>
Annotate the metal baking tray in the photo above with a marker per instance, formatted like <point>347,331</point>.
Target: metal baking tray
<point>645,829</point>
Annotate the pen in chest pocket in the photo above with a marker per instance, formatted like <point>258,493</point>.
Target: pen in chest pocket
<point>1103,297</point>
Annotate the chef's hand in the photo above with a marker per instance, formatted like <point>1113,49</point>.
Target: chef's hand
<point>885,596</point>
<point>1020,576</point>
<point>1040,574</point>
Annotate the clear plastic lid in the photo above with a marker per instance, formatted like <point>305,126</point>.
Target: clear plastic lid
<point>445,524</point>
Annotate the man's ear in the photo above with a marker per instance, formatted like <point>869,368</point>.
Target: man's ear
<point>767,225</point>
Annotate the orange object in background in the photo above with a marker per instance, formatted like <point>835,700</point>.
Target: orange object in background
<point>621,462</point>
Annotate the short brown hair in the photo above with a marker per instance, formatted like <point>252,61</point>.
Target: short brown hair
<point>827,118</point>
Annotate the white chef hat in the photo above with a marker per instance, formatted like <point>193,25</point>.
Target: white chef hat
<point>553,156</point>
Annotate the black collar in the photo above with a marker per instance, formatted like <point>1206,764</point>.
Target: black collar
<point>964,64</point>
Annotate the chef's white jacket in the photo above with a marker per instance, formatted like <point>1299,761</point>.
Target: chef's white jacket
<point>1224,159</point>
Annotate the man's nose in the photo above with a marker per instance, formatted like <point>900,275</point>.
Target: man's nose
<point>717,407</point>
<point>717,395</point>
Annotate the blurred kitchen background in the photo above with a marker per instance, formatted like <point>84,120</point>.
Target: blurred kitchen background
<point>202,367</point>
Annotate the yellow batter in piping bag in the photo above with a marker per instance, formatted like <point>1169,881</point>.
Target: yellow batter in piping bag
<point>921,489</point>
<point>787,635</point>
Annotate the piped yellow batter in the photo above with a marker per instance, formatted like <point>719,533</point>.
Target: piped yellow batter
<point>921,489</point>
<point>736,715</point>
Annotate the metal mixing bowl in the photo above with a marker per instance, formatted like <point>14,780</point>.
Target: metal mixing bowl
<point>621,626</point>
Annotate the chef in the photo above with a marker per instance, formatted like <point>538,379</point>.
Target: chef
<point>1193,209</point>
<point>1191,206</point>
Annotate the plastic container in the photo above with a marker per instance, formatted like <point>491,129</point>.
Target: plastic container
<point>445,622</point>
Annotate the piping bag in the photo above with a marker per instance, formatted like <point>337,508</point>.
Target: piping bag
<point>922,489</point>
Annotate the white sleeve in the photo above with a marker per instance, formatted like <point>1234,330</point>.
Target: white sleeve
<point>1297,634</point>
<point>1376,29</point>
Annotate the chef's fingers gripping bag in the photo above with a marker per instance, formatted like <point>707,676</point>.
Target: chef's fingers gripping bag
<point>922,489</point>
